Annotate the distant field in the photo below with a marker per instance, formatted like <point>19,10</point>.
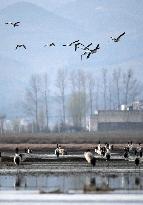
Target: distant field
<point>73,138</point>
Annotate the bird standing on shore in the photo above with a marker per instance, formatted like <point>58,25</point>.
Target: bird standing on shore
<point>57,151</point>
<point>137,162</point>
<point>29,150</point>
<point>108,155</point>
<point>17,159</point>
<point>90,158</point>
<point>126,153</point>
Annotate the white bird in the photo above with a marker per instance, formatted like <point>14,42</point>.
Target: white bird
<point>90,158</point>
<point>62,151</point>
<point>29,150</point>
<point>97,151</point>
<point>17,159</point>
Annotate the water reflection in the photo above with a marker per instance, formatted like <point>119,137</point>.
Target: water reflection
<point>66,182</point>
<point>138,183</point>
<point>20,181</point>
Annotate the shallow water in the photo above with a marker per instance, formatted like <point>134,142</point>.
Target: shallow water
<point>66,182</point>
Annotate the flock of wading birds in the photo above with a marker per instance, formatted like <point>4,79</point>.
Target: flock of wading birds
<point>87,50</point>
<point>104,151</point>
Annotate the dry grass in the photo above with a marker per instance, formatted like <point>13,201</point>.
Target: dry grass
<point>73,138</point>
<point>51,147</point>
<point>70,141</point>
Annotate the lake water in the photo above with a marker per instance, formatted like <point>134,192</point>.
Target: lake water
<point>73,181</point>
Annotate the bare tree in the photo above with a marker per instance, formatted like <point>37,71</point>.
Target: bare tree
<point>2,119</point>
<point>78,80</point>
<point>110,95</point>
<point>61,85</point>
<point>32,99</point>
<point>117,82</point>
<point>82,85</point>
<point>76,110</point>
<point>41,120</point>
<point>97,95</point>
<point>104,77</point>
<point>73,81</point>
<point>46,94</point>
<point>16,125</point>
<point>91,91</point>
<point>130,86</point>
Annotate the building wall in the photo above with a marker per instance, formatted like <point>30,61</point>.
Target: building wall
<point>112,126</point>
<point>116,120</point>
<point>120,116</point>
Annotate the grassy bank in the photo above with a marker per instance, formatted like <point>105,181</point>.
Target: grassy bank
<point>73,138</point>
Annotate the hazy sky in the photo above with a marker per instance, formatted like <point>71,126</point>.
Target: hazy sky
<point>49,4</point>
<point>88,20</point>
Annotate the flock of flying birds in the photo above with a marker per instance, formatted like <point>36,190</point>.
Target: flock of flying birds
<point>77,44</point>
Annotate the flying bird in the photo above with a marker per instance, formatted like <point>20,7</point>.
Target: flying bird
<point>13,24</point>
<point>90,51</point>
<point>87,47</point>
<point>83,54</point>
<point>51,44</point>
<point>70,44</point>
<point>20,45</point>
<point>93,51</point>
<point>118,38</point>
<point>77,45</point>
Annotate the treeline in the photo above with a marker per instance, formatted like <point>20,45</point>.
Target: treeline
<point>73,96</point>
<point>78,95</point>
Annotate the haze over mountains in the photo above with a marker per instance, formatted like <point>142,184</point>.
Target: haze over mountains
<point>90,21</point>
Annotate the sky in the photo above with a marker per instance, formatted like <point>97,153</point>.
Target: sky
<point>63,21</point>
<point>48,4</point>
